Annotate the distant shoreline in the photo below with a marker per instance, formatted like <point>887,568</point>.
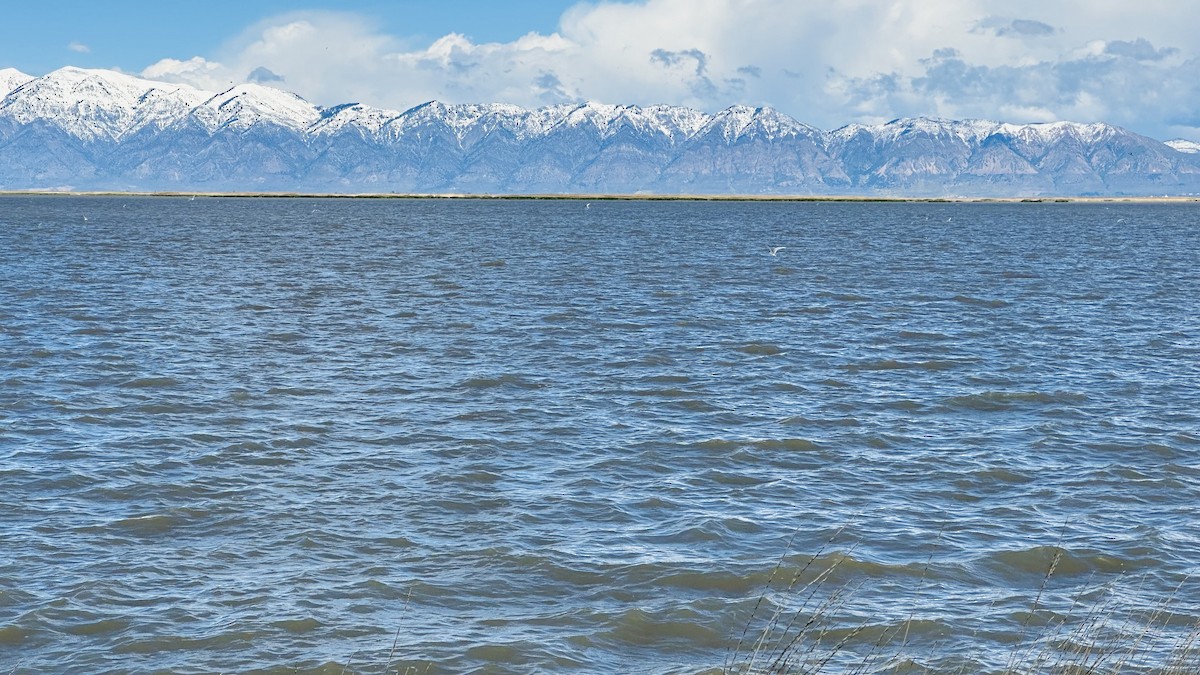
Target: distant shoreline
<point>614,197</point>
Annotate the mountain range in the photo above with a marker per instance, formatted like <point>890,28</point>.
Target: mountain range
<point>78,129</point>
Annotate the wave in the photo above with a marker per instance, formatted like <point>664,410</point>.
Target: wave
<point>760,349</point>
<point>1007,400</point>
<point>151,383</point>
<point>844,297</point>
<point>923,336</point>
<point>893,364</point>
<point>506,380</point>
<point>730,445</point>
<point>801,420</point>
<point>656,629</point>
<point>981,302</point>
<point>1037,561</point>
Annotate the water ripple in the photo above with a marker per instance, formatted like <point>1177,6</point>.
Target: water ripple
<point>263,436</point>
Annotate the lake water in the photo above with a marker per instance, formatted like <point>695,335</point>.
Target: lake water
<point>535,436</point>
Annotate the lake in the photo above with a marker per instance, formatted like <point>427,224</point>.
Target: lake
<point>350,435</point>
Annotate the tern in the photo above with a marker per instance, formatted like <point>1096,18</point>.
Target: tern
<point>776,249</point>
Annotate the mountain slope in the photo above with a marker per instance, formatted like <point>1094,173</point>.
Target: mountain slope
<point>95,129</point>
<point>10,79</point>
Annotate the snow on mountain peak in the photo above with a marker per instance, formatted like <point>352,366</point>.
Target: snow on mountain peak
<point>974,131</point>
<point>603,117</point>
<point>92,104</point>
<point>11,79</point>
<point>1055,132</point>
<point>971,132</point>
<point>245,105</point>
<point>742,121</point>
<point>732,121</point>
<point>685,121</point>
<point>459,119</point>
<point>672,123</point>
<point>119,111</point>
<point>366,119</point>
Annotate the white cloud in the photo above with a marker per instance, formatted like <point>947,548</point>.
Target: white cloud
<point>1132,84</point>
<point>196,71</point>
<point>823,63</point>
<point>79,48</point>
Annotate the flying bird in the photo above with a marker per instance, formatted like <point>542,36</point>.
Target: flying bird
<point>776,249</point>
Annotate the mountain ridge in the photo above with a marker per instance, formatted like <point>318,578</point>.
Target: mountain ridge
<point>97,129</point>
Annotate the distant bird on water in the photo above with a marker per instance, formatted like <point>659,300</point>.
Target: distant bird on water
<point>776,249</point>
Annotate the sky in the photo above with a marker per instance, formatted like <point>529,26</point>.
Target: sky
<point>827,63</point>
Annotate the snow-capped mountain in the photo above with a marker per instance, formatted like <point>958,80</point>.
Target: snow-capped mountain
<point>91,105</point>
<point>11,78</point>
<point>247,105</point>
<point>97,129</point>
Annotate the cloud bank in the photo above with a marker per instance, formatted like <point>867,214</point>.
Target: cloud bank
<point>824,63</point>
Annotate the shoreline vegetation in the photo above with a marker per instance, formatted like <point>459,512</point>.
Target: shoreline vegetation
<point>813,616</point>
<point>809,620</point>
<point>622,197</point>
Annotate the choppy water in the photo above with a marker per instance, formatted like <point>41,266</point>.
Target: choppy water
<point>281,435</point>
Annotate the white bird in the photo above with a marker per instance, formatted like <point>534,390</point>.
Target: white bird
<point>776,249</point>
<point>588,205</point>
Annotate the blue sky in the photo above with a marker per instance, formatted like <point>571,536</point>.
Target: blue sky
<point>824,63</point>
<point>132,34</point>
